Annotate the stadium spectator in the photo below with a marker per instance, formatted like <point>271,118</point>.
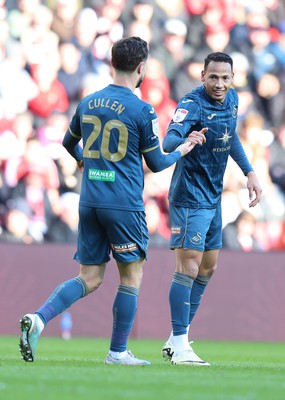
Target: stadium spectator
<point>155,90</point>
<point>35,179</point>
<point>155,224</point>
<point>62,225</point>
<point>110,28</point>
<point>40,43</point>
<point>68,173</point>
<point>15,93</point>
<point>21,17</point>
<point>64,16</point>
<point>51,95</point>
<point>188,76</point>
<point>174,49</point>
<point>70,72</point>
<point>239,235</point>
<point>16,225</point>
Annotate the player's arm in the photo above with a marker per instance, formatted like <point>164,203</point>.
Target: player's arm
<point>186,116</point>
<point>157,161</point>
<point>172,140</point>
<point>254,189</point>
<point>73,136</point>
<point>71,143</point>
<point>238,155</point>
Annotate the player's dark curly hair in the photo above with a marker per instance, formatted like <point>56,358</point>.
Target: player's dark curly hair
<point>218,57</point>
<point>128,53</point>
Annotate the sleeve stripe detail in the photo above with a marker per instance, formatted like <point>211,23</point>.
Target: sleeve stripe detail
<point>150,149</point>
<point>74,135</point>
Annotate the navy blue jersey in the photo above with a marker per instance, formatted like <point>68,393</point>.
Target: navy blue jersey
<point>116,128</point>
<point>198,177</point>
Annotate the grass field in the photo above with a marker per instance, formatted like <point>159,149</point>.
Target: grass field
<point>75,369</point>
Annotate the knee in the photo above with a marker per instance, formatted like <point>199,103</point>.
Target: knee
<point>92,283</point>
<point>208,270</point>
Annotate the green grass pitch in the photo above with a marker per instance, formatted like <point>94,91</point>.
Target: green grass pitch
<point>75,369</point>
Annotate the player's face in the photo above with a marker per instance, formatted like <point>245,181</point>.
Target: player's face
<point>218,79</point>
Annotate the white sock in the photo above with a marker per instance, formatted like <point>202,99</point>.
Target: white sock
<point>171,336</point>
<point>180,343</point>
<point>117,354</point>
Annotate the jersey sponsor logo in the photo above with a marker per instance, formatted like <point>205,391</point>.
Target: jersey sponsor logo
<point>155,126</point>
<point>175,230</point>
<point>180,115</point>
<point>211,116</point>
<point>101,175</point>
<point>187,101</point>
<point>124,248</point>
<point>151,111</point>
<point>196,239</point>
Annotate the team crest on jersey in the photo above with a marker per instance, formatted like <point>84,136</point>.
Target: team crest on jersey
<point>155,126</point>
<point>235,111</point>
<point>180,115</point>
<point>124,248</point>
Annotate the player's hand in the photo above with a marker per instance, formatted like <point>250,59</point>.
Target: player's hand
<point>80,165</point>
<point>254,189</point>
<point>197,137</point>
<point>185,148</point>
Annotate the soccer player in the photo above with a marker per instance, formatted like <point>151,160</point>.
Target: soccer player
<point>195,195</point>
<point>117,129</point>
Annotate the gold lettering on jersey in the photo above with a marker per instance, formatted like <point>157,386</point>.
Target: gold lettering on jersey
<point>219,149</point>
<point>107,103</point>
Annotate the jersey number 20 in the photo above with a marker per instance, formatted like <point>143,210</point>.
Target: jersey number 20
<point>113,126</point>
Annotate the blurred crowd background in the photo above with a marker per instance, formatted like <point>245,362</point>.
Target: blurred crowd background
<point>55,52</point>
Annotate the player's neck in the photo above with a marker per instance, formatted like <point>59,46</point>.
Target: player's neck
<point>125,80</point>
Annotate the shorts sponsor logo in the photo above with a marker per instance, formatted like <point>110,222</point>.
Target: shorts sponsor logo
<point>196,239</point>
<point>175,230</point>
<point>101,175</point>
<point>124,248</point>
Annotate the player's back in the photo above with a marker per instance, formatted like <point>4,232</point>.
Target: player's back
<point>112,125</point>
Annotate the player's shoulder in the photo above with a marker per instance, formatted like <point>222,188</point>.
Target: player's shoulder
<point>146,110</point>
<point>191,99</point>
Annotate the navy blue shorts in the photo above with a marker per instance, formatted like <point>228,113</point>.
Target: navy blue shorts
<point>102,231</point>
<point>196,229</point>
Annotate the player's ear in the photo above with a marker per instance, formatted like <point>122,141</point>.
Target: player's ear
<point>203,76</point>
<point>141,67</point>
